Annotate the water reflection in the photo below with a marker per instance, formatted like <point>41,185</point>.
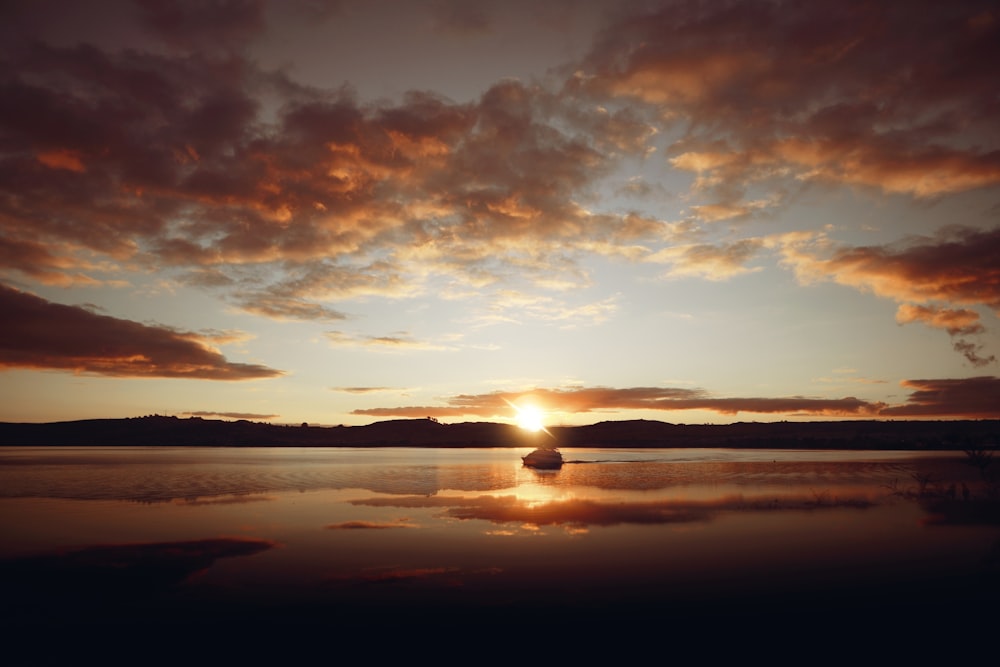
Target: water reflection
<point>115,571</point>
<point>313,535</point>
<point>587,512</point>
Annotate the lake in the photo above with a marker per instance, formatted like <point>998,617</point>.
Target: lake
<point>288,538</point>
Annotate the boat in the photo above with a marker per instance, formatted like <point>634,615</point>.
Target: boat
<point>543,458</point>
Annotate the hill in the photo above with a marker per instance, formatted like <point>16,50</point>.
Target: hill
<point>160,430</point>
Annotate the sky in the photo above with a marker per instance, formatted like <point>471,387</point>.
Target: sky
<point>347,211</point>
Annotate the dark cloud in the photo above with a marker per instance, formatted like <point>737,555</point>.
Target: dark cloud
<point>44,335</point>
<point>315,10</point>
<point>971,351</point>
<point>460,17</point>
<point>973,398</point>
<point>203,25</point>
<point>368,525</point>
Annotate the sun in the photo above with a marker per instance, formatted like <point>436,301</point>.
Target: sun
<point>530,418</point>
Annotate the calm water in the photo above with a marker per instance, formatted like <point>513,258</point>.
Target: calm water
<point>405,535</point>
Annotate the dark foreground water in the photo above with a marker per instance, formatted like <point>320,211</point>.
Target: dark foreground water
<point>331,545</point>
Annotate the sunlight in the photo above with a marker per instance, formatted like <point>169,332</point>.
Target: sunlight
<point>530,418</point>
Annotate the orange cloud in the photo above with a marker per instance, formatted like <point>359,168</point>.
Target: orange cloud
<point>957,267</point>
<point>169,159</point>
<point>41,334</point>
<point>62,159</point>
<point>363,390</point>
<point>37,261</point>
<point>918,171</point>
<point>604,399</point>
<point>337,199</point>
<point>852,93</point>
<point>713,262</point>
<point>402,341</point>
<point>955,398</point>
<point>954,321</point>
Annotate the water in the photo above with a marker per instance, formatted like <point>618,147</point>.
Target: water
<point>288,537</point>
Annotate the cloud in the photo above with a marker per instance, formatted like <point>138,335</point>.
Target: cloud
<point>515,306</point>
<point>235,499</point>
<point>459,17</point>
<point>957,267</point>
<point>44,335</point>
<point>870,94</point>
<point>283,197</point>
<point>198,25</point>
<point>225,336</point>
<point>954,321</point>
<point>972,398</point>
<point>363,390</point>
<point>712,262</point>
<point>396,342</point>
<point>291,308</point>
<point>39,262</point>
<point>957,322</point>
<point>232,415</point>
<point>369,525</point>
<point>605,399</point>
<point>971,351</point>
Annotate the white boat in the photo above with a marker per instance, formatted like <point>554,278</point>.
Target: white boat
<point>543,458</point>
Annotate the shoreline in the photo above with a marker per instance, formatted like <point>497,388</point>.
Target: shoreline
<point>959,435</point>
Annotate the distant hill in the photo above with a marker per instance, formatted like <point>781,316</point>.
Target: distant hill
<point>159,430</point>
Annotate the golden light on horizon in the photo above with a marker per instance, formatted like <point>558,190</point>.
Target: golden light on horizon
<point>529,417</point>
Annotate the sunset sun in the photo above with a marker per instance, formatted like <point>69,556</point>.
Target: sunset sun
<point>530,418</point>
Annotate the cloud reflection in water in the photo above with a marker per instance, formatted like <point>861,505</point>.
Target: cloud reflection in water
<point>580,512</point>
